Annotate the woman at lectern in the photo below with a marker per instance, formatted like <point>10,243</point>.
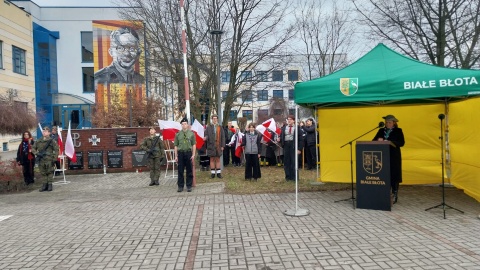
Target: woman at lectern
<point>391,132</point>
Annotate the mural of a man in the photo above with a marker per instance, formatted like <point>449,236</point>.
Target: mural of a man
<point>125,51</point>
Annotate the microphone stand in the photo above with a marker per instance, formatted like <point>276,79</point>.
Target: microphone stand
<point>443,204</point>
<point>351,162</point>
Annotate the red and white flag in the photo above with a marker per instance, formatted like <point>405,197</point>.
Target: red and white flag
<point>238,145</point>
<point>69,147</point>
<point>169,129</point>
<point>199,131</point>
<point>60,140</point>
<point>265,127</point>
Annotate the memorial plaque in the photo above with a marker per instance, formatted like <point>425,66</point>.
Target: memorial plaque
<point>139,158</point>
<point>115,159</point>
<point>95,159</point>
<point>78,165</point>
<point>126,139</point>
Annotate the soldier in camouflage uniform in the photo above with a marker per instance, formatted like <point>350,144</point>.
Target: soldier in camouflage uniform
<point>153,145</point>
<point>46,150</point>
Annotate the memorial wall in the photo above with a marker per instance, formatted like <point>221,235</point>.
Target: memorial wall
<point>112,149</point>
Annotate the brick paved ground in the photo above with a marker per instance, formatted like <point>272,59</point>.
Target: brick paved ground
<point>116,221</point>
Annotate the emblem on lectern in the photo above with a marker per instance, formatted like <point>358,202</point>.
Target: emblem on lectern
<point>372,161</point>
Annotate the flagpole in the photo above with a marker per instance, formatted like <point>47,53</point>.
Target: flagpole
<point>63,158</point>
<point>297,212</point>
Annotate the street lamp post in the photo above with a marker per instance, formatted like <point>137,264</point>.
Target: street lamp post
<point>217,33</point>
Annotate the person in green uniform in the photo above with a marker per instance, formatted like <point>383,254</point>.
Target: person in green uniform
<point>46,151</point>
<point>153,145</point>
<point>185,155</point>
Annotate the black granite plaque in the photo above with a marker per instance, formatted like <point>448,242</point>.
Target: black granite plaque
<point>95,159</point>
<point>139,158</point>
<point>115,159</point>
<point>126,139</point>
<point>78,165</point>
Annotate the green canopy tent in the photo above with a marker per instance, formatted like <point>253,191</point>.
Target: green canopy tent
<point>352,101</point>
<point>383,76</point>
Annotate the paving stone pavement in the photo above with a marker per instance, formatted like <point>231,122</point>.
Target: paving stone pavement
<point>116,221</point>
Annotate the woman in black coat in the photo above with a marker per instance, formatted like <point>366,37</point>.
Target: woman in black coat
<point>26,158</point>
<point>391,132</point>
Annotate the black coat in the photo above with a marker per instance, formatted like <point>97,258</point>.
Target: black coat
<point>396,137</point>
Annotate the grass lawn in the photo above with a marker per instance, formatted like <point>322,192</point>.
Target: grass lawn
<point>272,181</point>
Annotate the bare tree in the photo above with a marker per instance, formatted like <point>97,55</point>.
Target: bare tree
<point>15,117</point>
<point>255,30</point>
<point>443,32</point>
<point>327,34</point>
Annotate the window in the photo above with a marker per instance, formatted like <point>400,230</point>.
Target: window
<point>232,116</point>
<point>247,95</point>
<point>262,95</point>
<point>88,80</point>
<point>262,76</point>
<point>278,112</point>
<point>1,54</point>
<point>278,93</point>
<point>18,58</point>
<point>262,114</point>
<point>246,76</point>
<point>87,47</point>
<point>293,75</point>
<point>277,76</point>
<point>248,114</point>
<point>225,76</point>
<point>290,94</point>
<point>224,95</point>
<point>291,111</point>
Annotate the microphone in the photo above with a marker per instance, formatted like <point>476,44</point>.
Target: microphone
<point>441,116</point>
<point>382,124</point>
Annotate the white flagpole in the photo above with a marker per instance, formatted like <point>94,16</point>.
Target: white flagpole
<point>297,212</point>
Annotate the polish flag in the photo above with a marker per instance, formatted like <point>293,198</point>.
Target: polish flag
<point>60,140</point>
<point>199,131</point>
<point>238,147</point>
<point>265,127</point>
<point>69,148</point>
<point>170,128</point>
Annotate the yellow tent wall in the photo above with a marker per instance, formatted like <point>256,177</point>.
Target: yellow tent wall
<point>421,154</point>
<point>463,120</point>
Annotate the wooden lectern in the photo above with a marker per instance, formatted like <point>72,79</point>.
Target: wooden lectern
<point>373,175</point>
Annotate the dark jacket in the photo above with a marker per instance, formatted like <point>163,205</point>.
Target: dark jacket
<point>310,135</point>
<point>396,137</point>
<point>299,138</point>
<point>258,142</point>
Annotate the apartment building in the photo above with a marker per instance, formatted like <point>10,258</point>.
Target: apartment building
<point>17,71</point>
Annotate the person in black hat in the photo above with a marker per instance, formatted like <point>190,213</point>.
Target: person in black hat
<point>391,132</point>
<point>185,147</point>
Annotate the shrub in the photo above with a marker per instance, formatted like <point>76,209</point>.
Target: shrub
<point>11,176</point>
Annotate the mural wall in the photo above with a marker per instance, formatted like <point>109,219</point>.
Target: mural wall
<point>118,62</point>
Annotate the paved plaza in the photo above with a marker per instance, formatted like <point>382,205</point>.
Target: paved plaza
<point>115,221</point>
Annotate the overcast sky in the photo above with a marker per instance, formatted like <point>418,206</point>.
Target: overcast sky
<point>57,3</point>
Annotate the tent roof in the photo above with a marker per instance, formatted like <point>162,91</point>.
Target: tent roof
<point>383,76</point>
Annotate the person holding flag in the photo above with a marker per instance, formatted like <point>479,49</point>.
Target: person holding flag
<point>252,144</point>
<point>57,137</point>
<point>236,145</point>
